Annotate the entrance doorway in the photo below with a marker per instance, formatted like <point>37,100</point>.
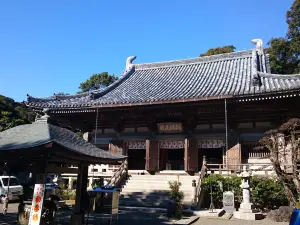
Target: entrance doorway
<point>171,159</point>
<point>136,159</point>
<point>213,155</point>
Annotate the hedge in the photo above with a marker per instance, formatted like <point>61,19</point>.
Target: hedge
<point>266,193</point>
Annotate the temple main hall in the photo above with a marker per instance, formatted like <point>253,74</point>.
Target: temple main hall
<point>165,116</point>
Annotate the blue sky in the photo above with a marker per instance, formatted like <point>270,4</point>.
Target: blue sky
<point>51,46</point>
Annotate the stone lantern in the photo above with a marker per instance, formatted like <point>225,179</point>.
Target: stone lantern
<point>246,211</point>
<point>246,205</point>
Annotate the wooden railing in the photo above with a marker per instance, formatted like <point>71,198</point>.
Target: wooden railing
<point>249,152</point>
<point>198,197</point>
<point>236,168</point>
<point>120,174</point>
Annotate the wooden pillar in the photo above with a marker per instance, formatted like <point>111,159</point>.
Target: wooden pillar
<point>190,154</point>
<point>163,158</point>
<point>125,147</point>
<point>81,188</point>
<point>152,155</point>
<point>200,157</point>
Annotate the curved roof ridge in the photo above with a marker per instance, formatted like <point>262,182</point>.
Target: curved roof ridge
<point>279,76</point>
<point>57,97</point>
<point>46,99</point>
<point>36,134</point>
<point>92,94</point>
<point>115,84</point>
<point>211,58</point>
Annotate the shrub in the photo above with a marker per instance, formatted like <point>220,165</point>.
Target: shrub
<point>176,196</point>
<point>98,182</point>
<point>266,193</point>
<point>228,184</point>
<point>65,194</point>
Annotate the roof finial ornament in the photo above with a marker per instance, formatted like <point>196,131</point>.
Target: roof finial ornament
<point>44,118</point>
<point>46,111</point>
<point>259,46</point>
<point>129,61</point>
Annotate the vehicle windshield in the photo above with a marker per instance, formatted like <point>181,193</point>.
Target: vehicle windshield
<point>13,181</point>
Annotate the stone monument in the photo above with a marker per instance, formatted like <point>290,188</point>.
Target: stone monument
<point>246,211</point>
<point>228,201</point>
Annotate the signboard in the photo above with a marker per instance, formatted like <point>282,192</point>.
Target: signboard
<point>170,127</point>
<point>228,201</point>
<point>37,204</point>
<point>115,203</point>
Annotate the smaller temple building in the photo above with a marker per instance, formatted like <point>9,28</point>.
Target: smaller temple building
<point>42,148</point>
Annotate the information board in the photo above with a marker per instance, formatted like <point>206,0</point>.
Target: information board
<point>37,204</point>
<point>228,201</point>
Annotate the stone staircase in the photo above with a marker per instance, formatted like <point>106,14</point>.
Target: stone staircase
<point>153,190</point>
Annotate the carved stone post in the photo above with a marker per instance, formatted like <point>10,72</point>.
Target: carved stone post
<point>194,191</point>
<point>70,183</point>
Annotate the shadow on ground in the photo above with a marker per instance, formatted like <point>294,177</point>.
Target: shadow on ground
<point>125,217</point>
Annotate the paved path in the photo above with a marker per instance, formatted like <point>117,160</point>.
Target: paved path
<point>207,221</point>
<point>125,217</point>
<point>136,218</point>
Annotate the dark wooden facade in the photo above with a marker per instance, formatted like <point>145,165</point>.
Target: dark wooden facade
<point>229,116</point>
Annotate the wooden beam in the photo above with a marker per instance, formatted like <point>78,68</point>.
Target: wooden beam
<point>55,169</point>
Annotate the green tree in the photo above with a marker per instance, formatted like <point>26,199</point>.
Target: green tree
<point>13,113</point>
<point>286,138</point>
<point>285,51</point>
<point>97,81</point>
<point>219,50</point>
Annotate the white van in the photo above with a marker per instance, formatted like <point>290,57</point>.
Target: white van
<point>15,189</point>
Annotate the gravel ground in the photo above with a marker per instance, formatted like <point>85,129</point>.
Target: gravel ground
<point>138,218</point>
<point>208,221</point>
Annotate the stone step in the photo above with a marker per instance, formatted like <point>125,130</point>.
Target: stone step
<point>153,191</point>
<point>154,194</point>
<point>164,184</point>
<point>149,190</point>
<point>145,203</point>
<point>145,181</point>
<point>183,182</point>
<point>165,177</point>
<point>151,177</point>
<point>132,202</point>
<point>160,180</point>
<point>156,186</point>
<point>154,198</point>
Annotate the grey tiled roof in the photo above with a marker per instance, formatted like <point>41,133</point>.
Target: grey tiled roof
<point>228,75</point>
<point>37,134</point>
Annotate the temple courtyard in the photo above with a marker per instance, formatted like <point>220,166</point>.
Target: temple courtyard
<point>135,218</point>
